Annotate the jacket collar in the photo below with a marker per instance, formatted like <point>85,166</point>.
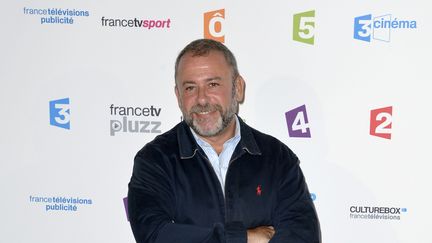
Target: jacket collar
<point>188,146</point>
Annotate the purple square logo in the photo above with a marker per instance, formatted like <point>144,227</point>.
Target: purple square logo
<point>125,202</point>
<point>298,123</point>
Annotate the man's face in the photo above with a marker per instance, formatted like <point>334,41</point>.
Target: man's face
<point>205,93</point>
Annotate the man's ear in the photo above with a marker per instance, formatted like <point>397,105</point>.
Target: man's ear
<point>240,89</point>
<point>177,92</point>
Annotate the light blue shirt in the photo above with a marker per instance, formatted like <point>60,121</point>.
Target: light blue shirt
<point>220,162</point>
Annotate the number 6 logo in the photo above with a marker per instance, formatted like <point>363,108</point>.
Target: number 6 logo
<point>298,123</point>
<point>381,122</point>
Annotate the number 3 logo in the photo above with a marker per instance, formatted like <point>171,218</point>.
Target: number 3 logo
<point>363,27</point>
<point>381,122</point>
<point>60,113</point>
<point>298,123</point>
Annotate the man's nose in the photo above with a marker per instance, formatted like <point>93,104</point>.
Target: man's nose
<point>202,96</point>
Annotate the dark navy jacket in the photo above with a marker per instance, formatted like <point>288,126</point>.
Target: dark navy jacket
<point>175,195</point>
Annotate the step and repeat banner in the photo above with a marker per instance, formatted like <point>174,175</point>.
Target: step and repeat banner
<point>85,84</point>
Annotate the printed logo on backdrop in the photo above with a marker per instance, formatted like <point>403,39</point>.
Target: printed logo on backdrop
<point>214,25</point>
<point>56,15</point>
<point>298,122</point>
<point>60,113</point>
<point>129,119</point>
<point>125,203</point>
<point>304,27</point>
<point>313,196</point>
<point>57,203</point>
<point>381,122</point>
<point>368,27</point>
<point>145,24</point>
<point>376,213</point>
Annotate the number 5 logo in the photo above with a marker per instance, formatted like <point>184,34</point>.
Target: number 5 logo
<point>298,123</point>
<point>381,122</point>
<point>304,27</point>
<point>60,113</point>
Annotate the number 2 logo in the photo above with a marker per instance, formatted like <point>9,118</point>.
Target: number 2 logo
<point>381,122</point>
<point>298,123</point>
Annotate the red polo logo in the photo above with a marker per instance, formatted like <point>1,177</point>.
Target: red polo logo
<point>258,190</point>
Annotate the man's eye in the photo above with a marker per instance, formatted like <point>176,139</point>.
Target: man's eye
<point>189,88</point>
<point>213,84</point>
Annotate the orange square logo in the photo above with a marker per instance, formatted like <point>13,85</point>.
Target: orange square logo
<point>214,25</point>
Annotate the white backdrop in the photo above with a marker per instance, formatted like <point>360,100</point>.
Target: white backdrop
<point>67,156</point>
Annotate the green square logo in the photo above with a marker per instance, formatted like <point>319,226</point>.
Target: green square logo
<point>304,27</point>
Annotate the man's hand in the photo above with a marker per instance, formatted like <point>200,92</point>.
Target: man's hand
<point>261,234</point>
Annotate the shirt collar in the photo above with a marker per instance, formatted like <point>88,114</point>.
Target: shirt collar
<point>188,145</point>
<point>203,143</point>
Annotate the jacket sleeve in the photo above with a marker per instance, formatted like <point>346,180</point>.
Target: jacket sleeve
<point>295,219</point>
<point>152,206</point>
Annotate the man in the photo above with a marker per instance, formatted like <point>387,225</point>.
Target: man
<point>212,178</point>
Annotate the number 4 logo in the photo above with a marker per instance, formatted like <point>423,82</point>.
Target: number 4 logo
<point>298,123</point>
<point>304,27</point>
<point>381,122</point>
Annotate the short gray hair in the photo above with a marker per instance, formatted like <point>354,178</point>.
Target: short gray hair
<point>202,47</point>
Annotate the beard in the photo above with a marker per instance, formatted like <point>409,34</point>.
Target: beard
<point>218,126</point>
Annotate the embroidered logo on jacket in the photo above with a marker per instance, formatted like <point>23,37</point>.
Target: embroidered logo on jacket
<point>258,190</point>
